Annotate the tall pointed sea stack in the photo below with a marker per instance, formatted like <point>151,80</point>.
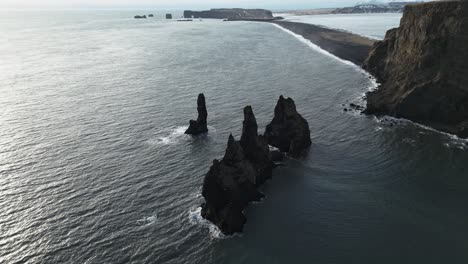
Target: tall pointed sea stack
<point>288,131</point>
<point>199,126</point>
<point>232,183</point>
<point>422,67</point>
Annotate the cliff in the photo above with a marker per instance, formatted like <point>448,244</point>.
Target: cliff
<point>231,14</point>
<point>423,67</point>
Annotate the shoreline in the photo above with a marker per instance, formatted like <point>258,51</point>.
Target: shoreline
<point>347,46</point>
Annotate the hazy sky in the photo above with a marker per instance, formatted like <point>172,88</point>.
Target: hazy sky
<point>177,4</point>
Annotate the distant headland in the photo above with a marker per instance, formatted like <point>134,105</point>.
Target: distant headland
<point>361,8</point>
<point>233,14</point>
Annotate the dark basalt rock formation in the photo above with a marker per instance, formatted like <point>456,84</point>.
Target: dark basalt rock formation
<point>140,17</point>
<point>423,67</point>
<point>231,14</point>
<point>288,131</point>
<point>150,15</point>
<point>199,126</point>
<point>232,183</point>
<point>168,16</point>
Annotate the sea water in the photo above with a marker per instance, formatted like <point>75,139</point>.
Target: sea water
<point>95,167</point>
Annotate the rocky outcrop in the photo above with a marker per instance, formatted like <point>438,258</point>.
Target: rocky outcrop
<point>422,67</point>
<point>140,17</point>
<point>231,14</point>
<point>199,126</point>
<point>168,16</point>
<point>232,183</point>
<point>255,147</point>
<point>288,131</point>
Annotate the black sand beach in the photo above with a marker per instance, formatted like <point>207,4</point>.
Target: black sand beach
<point>344,45</point>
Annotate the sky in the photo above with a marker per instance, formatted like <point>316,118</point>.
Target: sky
<point>175,4</point>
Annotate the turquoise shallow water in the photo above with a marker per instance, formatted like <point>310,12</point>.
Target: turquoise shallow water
<point>94,166</point>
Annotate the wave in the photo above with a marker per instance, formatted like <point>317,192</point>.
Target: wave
<point>195,218</point>
<point>147,221</point>
<point>374,83</point>
<point>454,140</point>
<point>273,148</point>
<point>174,136</point>
<point>314,46</point>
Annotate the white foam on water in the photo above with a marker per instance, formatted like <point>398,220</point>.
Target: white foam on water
<point>211,129</point>
<point>148,220</point>
<point>322,51</point>
<point>374,84</point>
<point>174,136</point>
<point>195,218</point>
<point>314,46</point>
<point>454,140</point>
<point>273,148</point>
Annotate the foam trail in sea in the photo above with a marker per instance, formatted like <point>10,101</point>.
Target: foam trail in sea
<point>454,140</point>
<point>148,220</point>
<point>195,218</point>
<point>174,135</point>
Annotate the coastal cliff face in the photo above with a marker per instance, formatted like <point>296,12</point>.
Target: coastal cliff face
<point>231,14</point>
<point>423,67</point>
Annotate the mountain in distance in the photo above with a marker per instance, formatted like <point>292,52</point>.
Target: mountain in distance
<point>373,7</point>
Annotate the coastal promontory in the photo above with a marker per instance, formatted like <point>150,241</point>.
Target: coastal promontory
<point>422,67</point>
<point>232,14</point>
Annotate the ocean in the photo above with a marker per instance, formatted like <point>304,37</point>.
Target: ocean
<point>95,167</point>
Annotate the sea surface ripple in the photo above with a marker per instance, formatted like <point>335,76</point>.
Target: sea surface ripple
<point>95,168</point>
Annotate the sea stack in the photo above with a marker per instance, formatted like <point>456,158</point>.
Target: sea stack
<point>288,131</point>
<point>232,183</point>
<point>422,67</point>
<point>199,126</point>
<point>168,16</point>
